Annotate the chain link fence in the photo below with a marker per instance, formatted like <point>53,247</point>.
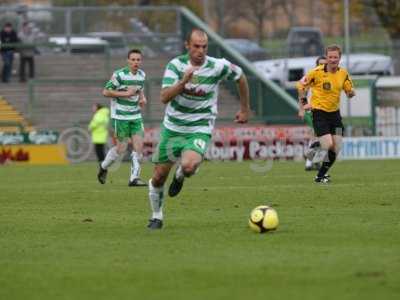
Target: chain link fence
<point>110,31</point>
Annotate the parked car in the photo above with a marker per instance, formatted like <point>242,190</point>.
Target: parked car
<point>115,39</point>
<point>249,49</point>
<point>305,41</point>
<point>79,44</point>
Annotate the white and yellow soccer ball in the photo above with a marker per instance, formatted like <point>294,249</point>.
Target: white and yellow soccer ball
<point>263,218</point>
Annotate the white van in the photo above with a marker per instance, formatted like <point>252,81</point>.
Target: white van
<point>288,71</point>
<point>81,44</point>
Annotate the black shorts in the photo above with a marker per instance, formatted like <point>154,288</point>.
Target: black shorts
<point>327,122</point>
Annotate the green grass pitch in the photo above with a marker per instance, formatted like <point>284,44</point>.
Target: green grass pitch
<point>64,236</point>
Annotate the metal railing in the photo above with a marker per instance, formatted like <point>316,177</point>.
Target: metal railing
<point>44,102</point>
<point>270,102</point>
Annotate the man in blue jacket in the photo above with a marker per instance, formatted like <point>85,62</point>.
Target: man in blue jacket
<point>8,37</point>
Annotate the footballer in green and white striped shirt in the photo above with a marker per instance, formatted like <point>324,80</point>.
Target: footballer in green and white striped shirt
<point>195,108</point>
<point>190,90</point>
<point>125,88</point>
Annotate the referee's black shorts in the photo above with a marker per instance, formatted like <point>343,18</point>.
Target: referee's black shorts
<point>327,122</point>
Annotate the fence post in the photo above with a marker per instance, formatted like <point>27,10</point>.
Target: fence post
<point>373,105</point>
<point>31,95</point>
<point>68,29</point>
<point>178,24</point>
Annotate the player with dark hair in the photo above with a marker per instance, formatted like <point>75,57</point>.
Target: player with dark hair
<point>126,90</point>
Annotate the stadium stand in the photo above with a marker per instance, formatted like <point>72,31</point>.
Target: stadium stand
<point>11,120</point>
<point>67,102</point>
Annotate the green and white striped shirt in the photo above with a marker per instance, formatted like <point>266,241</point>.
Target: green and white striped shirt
<point>126,108</point>
<point>195,109</point>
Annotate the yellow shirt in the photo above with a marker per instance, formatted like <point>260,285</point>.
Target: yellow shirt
<point>326,87</point>
<point>99,126</point>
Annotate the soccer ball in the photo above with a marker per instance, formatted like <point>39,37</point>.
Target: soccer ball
<point>263,218</point>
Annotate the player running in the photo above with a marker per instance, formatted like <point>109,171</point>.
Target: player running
<point>126,90</point>
<point>314,152</point>
<point>190,90</point>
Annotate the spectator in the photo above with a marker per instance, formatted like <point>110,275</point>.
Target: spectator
<point>98,126</point>
<point>26,51</point>
<point>7,37</point>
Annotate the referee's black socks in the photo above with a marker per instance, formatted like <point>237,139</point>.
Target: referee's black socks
<point>327,164</point>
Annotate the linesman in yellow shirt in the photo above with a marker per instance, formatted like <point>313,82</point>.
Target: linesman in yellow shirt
<point>326,83</point>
